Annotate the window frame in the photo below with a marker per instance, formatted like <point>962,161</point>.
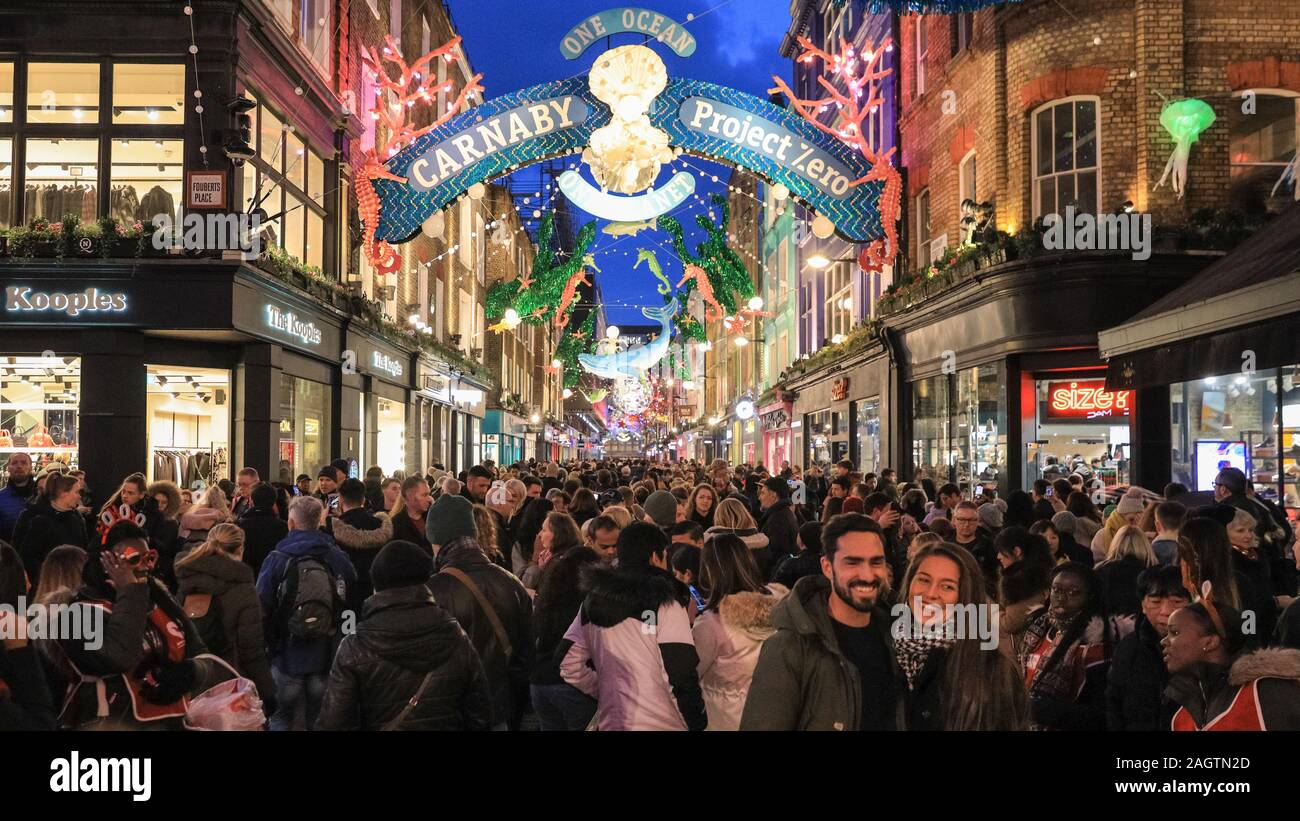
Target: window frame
<point>962,193</point>
<point>963,32</point>
<point>1281,93</point>
<point>1034,176</point>
<point>924,230</point>
<point>920,54</point>
<point>839,287</point>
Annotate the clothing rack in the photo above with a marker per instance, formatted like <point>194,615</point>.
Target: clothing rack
<point>189,467</point>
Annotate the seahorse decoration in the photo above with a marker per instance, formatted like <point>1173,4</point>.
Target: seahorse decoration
<point>698,277</point>
<point>647,256</point>
<point>723,270</point>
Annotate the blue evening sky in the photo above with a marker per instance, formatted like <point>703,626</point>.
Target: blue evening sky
<point>516,44</point>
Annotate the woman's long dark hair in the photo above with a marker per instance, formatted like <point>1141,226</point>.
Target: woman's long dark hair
<point>565,534</point>
<point>980,689</point>
<point>1020,510</point>
<point>1082,507</point>
<point>560,592</point>
<point>727,566</point>
<point>531,524</point>
<point>1206,553</point>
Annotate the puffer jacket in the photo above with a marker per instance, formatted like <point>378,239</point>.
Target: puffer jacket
<point>41,528</point>
<point>507,673</point>
<point>803,681</point>
<point>361,533</point>
<point>230,583</point>
<point>630,648</point>
<point>728,641</point>
<point>403,637</point>
<point>1269,678</point>
<point>1137,680</point>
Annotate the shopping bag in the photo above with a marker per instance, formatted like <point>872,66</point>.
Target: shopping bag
<point>231,705</point>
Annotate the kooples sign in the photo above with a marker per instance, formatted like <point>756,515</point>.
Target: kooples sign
<point>21,299</point>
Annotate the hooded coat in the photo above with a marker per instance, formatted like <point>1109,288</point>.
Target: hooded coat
<point>802,680</point>
<point>361,533</point>
<point>231,583</point>
<point>41,528</point>
<point>757,543</point>
<point>630,648</point>
<point>1260,691</point>
<point>1135,692</point>
<point>728,641</point>
<point>404,637</point>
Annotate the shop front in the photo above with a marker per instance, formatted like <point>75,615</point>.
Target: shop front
<point>378,385</point>
<point>777,435</point>
<point>433,397</point>
<point>469,401</point>
<point>1216,368</point>
<point>504,437</point>
<point>840,412</point>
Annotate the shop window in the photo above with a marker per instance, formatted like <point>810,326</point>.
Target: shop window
<point>1066,148</point>
<point>839,302</point>
<point>148,94</point>
<point>304,424</point>
<point>61,178</point>
<point>295,161</point>
<point>1233,420</point>
<point>931,449</point>
<point>270,140</point>
<point>6,181</point>
<point>922,52</point>
<point>6,92</point>
<point>1079,427</point>
<point>146,178</point>
<point>923,229</point>
<point>317,31</point>
<point>39,399</point>
<point>390,420</point>
<point>395,20</point>
<point>1289,381</point>
<point>980,427</point>
<point>63,93</point>
<point>1261,145</point>
<point>189,425</point>
<point>966,181</point>
<point>963,29</point>
<point>866,435</point>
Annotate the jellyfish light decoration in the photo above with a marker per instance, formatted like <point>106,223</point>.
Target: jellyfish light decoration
<point>1184,120</point>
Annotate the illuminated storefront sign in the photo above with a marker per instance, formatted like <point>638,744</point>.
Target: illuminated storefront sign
<point>22,299</point>
<point>287,322</point>
<point>386,363</point>
<point>1086,400</point>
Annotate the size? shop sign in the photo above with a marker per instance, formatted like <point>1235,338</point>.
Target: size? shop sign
<point>21,300</point>
<point>1086,400</point>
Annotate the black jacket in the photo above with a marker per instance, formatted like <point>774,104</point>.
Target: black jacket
<point>25,702</point>
<point>1135,693</point>
<point>1258,595</point>
<point>231,584</point>
<point>405,529</point>
<point>41,528</point>
<point>1119,593</point>
<point>793,568</point>
<point>263,530</point>
<point>507,674</point>
<point>361,534</point>
<point>781,527</point>
<point>403,637</point>
<point>987,556</point>
<point>555,611</point>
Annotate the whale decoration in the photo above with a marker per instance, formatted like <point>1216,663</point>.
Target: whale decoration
<point>635,361</point>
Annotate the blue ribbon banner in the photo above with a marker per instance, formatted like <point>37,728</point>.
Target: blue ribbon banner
<point>557,119</point>
<point>622,20</point>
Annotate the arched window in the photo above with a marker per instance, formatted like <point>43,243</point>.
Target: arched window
<point>1066,158</point>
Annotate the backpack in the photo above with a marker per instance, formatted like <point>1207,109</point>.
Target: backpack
<point>204,609</point>
<point>310,600</point>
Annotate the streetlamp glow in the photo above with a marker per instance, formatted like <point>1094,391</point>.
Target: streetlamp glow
<point>741,342</point>
<point>756,303</point>
<point>555,363</point>
<point>567,394</point>
<point>535,418</point>
<point>818,261</point>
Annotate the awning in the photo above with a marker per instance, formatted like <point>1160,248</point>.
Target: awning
<point>1248,301</point>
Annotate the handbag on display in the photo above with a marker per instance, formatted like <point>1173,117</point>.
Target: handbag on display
<point>6,439</point>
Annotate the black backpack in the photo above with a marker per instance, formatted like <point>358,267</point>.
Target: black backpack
<point>309,602</point>
<point>204,609</point>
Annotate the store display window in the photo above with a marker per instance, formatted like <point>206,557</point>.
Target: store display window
<point>391,440</point>
<point>931,451</point>
<point>1233,421</point>
<point>189,425</point>
<point>819,438</point>
<point>866,421</point>
<point>980,427</point>
<point>304,424</point>
<point>39,398</point>
<point>1079,427</point>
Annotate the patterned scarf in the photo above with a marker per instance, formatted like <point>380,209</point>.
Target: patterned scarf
<point>914,651</point>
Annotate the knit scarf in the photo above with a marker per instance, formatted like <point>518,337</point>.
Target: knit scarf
<point>914,651</point>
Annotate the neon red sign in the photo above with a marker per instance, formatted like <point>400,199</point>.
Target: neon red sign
<point>1086,400</point>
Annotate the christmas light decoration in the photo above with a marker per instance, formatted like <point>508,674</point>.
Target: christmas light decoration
<point>1184,120</point>
<point>726,275</point>
<point>866,76</point>
<point>397,133</point>
<point>625,155</point>
<point>551,289</point>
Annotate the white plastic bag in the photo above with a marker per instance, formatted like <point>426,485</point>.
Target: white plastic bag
<point>230,705</point>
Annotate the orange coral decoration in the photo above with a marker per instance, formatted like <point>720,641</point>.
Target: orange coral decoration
<point>399,133</point>
<point>858,73</point>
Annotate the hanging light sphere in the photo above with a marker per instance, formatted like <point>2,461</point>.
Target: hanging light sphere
<point>433,226</point>
<point>477,190</point>
<point>822,227</point>
<point>756,303</point>
<point>780,192</point>
<point>741,342</point>
<point>511,318</point>
<point>567,394</point>
<point>555,363</point>
<point>611,332</point>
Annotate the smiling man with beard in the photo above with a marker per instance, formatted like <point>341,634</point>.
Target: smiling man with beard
<point>830,665</point>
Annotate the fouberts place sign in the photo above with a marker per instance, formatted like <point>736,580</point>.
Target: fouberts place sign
<point>286,322</point>
<point>20,299</point>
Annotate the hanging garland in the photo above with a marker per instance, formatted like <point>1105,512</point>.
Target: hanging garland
<point>727,275</point>
<point>925,6</point>
<point>550,291</point>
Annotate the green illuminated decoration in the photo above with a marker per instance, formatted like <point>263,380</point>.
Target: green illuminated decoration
<point>550,291</point>
<point>727,275</point>
<point>572,344</point>
<point>1185,120</point>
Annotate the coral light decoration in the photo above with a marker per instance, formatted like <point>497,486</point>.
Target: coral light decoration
<point>860,73</point>
<point>415,83</point>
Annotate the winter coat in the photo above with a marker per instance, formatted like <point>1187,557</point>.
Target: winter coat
<point>1105,535</point>
<point>986,554</point>
<point>793,568</point>
<point>299,658</point>
<point>1084,530</point>
<point>1013,621</point>
<point>554,611</point>
<point>755,541</point>
<point>1137,680</point>
<point>802,680</point>
<point>361,533</point>
<point>1258,595</point>
<point>13,501</point>
<point>407,529</point>
<point>404,637</point>
<point>630,648</point>
<point>164,536</point>
<point>25,702</point>
<point>263,530</point>
<point>781,527</point>
<point>728,641</point>
<point>1260,691</point>
<point>1287,632</point>
<point>1120,602</point>
<point>507,673</point>
<point>230,583</point>
<point>42,528</point>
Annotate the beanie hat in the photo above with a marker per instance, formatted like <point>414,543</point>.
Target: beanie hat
<point>990,515</point>
<point>400,564</point>
<point>662,507</point>
<point>329,472</point>
<point>1064,522</point>
<point>451,518</point>
<point>1131,501</point>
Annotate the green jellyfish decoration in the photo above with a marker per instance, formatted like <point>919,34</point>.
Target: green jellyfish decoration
<point>1184,120</point>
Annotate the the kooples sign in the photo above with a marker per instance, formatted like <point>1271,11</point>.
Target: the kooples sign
<point>287,322</point>
<point>22,299</point>
<point>386,363</point>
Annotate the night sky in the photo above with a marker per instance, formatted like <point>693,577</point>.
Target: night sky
<point>517,44</point>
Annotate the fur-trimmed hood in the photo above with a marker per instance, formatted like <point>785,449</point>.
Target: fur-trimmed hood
<point>358,538</point>
<point>1272,662</point>
<point>751,613</point>
<point>751,537</point>
<point>615,594</point>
